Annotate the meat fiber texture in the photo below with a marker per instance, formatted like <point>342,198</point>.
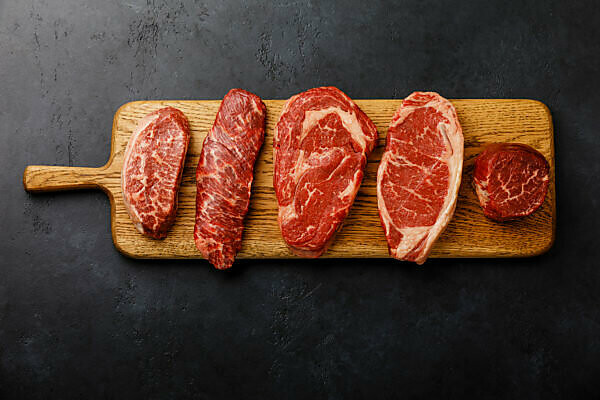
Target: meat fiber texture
<point>419,175</point>
<point>152,170</point>
<point>224,176</point>
<point>320,149</point>
<point>511,180</point>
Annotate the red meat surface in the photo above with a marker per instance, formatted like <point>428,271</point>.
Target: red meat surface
<point>224,176</point>
<point>152,170</point>
<point>320,149</point>
<point>511,180</point>
<point>419,175</point>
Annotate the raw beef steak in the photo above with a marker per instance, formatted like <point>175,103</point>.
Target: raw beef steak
<point>511,180</point>
<point>152,169</point>
<point>224,176</point>
<point>419,175</point>
<point>320,150</point>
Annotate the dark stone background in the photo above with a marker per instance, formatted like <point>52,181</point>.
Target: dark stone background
<point>78,320</point>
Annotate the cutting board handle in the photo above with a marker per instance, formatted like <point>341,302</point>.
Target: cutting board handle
<point>44,178</point>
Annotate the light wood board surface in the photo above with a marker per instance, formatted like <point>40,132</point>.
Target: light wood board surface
<point>469,234</point>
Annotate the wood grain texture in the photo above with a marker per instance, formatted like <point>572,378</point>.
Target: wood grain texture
<point>469,234</point>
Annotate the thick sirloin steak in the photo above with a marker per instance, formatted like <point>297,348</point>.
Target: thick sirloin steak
<point>152,169</point>
<point>320,149</point>
<point>511,180</point>
<point>224,176</point>
<point>419,174</point>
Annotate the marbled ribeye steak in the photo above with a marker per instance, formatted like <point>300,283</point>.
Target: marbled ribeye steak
<point>320,149</point>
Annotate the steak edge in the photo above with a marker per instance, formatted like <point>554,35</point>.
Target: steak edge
<point>320,149</point>
<point>511,180</point>
<point>152,169</point>
<point>224,176</point>
<point>419,175</point>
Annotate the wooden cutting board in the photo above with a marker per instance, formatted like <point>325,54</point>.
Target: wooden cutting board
<point>469,234</point>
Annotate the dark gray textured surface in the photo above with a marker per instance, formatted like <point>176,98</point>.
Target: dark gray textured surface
<point>78,320</point>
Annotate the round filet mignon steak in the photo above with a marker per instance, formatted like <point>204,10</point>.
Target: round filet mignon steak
<point>511,180</point>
